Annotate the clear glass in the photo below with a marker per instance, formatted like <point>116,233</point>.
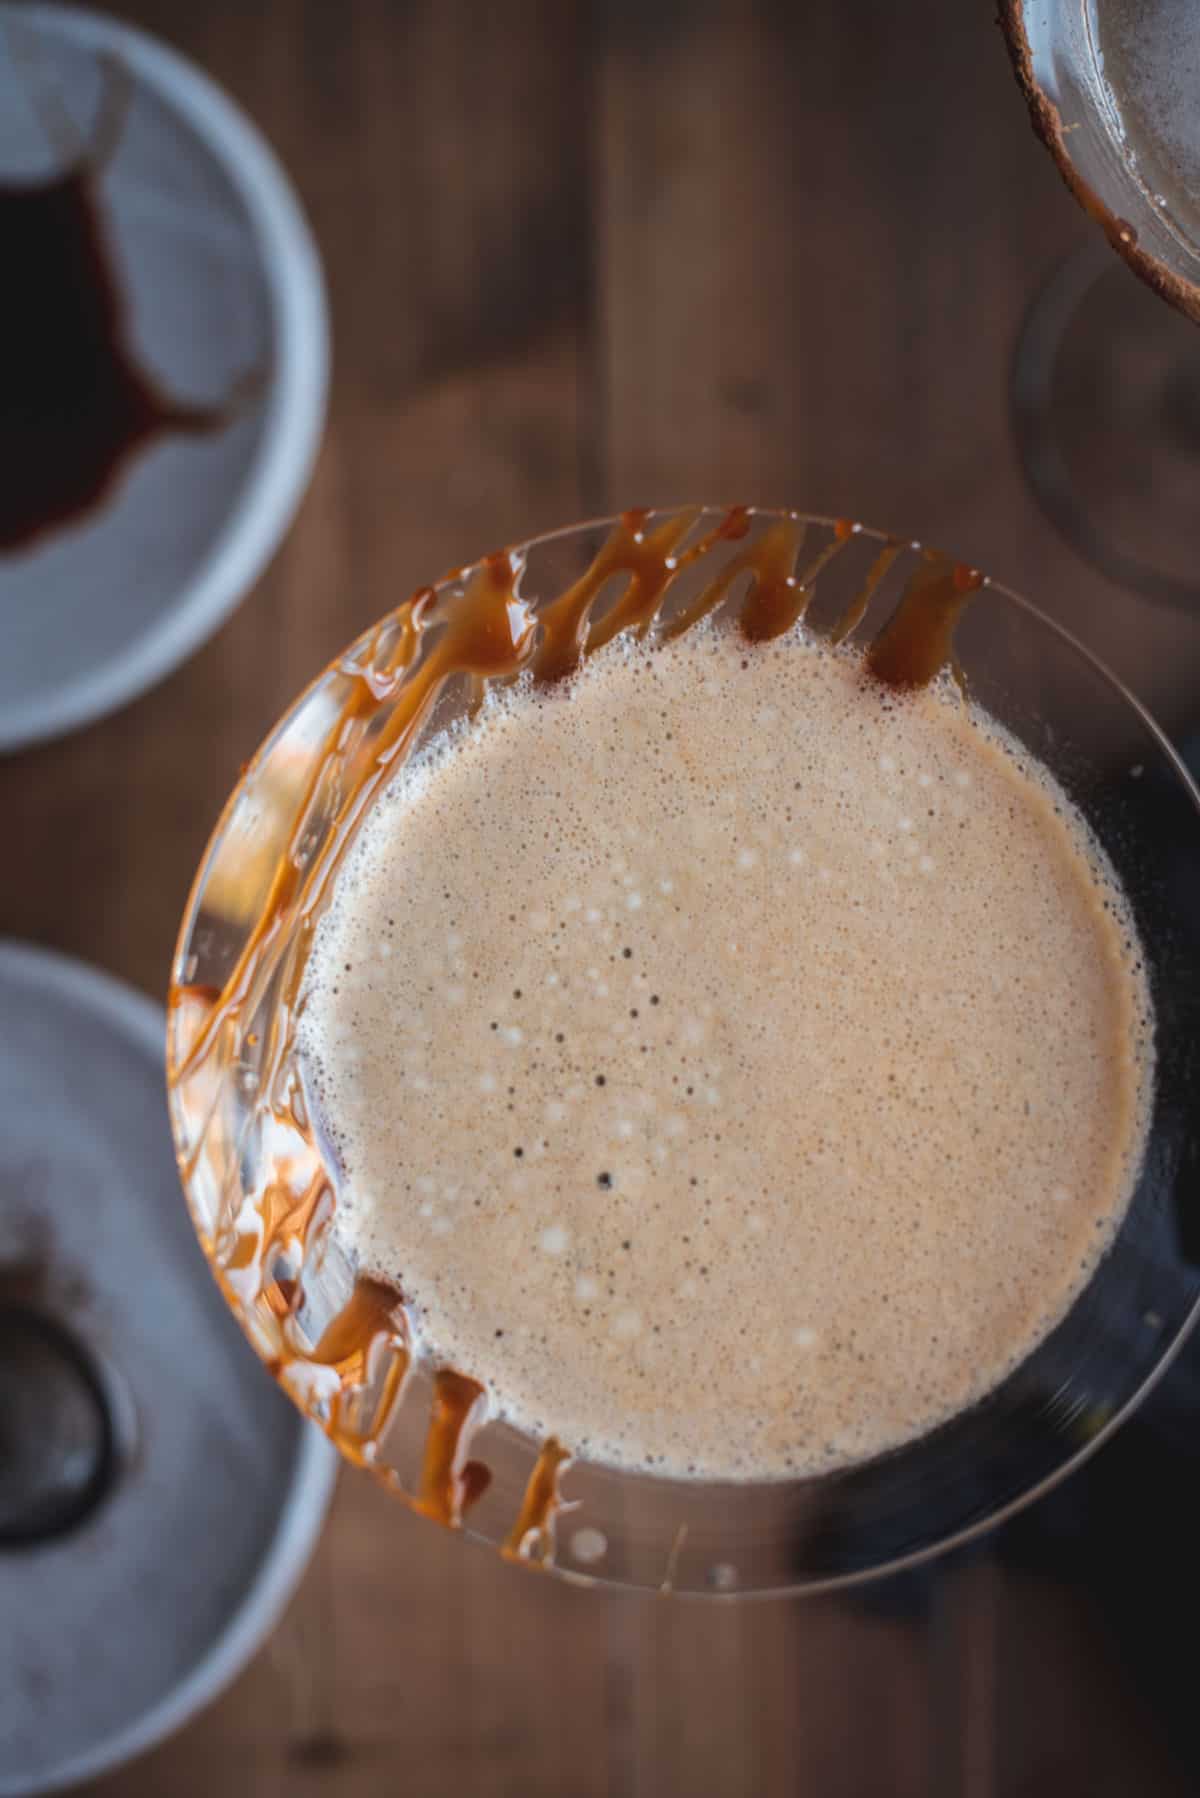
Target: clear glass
<point>1107,84</point>
<point>1105,397</point>
<point>241,1162</point>
<point>1106,385</point>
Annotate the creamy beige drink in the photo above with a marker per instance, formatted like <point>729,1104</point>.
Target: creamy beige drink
<point>735,1063</point>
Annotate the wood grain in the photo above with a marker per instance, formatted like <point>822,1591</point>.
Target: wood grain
<point>582,256</point>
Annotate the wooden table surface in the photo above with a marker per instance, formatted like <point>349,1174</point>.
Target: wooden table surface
<point>582,257</point>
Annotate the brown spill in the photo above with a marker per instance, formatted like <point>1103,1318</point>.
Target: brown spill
<point>76,404</point>
<point>479,628</point>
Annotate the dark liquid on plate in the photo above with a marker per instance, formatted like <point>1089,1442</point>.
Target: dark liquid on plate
<point>74,405</point>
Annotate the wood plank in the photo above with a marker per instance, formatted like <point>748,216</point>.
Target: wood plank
<point>964,1634</point>
<point>770,1699</point>
<point>1070,1720</point>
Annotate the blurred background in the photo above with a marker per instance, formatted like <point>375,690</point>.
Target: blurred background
<point>582,257</point>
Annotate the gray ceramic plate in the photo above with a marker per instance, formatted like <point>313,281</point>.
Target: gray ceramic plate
<point>116,1632</point>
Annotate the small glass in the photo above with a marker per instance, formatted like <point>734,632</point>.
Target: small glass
<point>1105,382</point>
<point>260,1183</point>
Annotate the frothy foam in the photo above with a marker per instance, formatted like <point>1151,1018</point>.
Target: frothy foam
<point>736,1065</point>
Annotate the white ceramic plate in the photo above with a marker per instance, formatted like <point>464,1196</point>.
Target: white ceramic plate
<point>220,277</point>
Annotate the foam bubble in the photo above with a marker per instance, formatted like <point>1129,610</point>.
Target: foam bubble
<point>588,1545</point>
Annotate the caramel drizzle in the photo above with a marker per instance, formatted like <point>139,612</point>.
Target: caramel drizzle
<point>286,1224</point>
<point>370,1329</point>
<point>531,1537</point>
<point>371,1313</point>
<point>857,610</point>
<point>775,599</point>
<point>450,1484</point>
<point>917,641</point>
<point>649,562</point>
<point>483,630</point>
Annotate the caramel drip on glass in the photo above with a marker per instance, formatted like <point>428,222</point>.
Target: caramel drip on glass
<point>286,1222</point>
<point>857,610</point>
<point>917,641</point>
<point>449,1483</point>
<point>649,562</point>
<point>775,599</point>
<point>476,628</point>
<point>532,1535</point>
<point>370,1326</point>
<point>371,1314</point>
